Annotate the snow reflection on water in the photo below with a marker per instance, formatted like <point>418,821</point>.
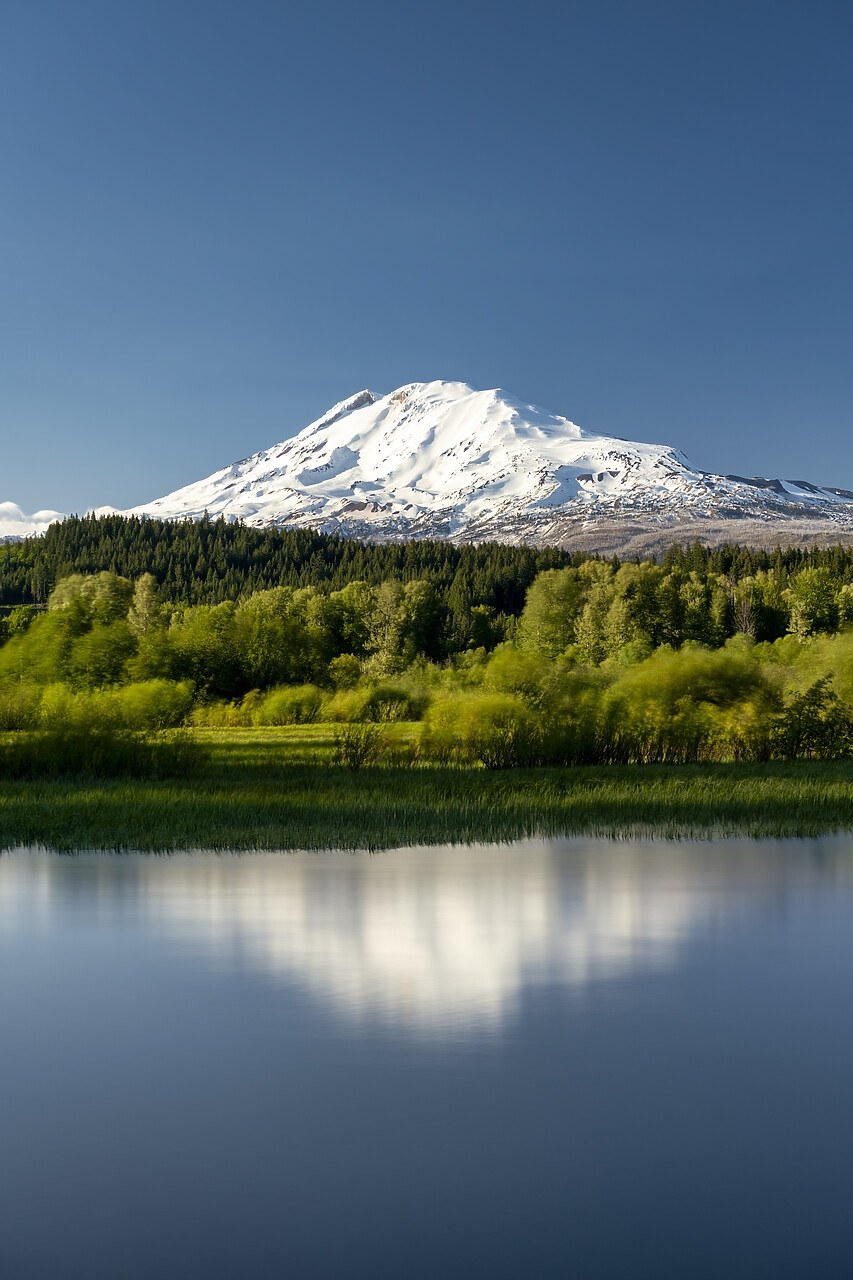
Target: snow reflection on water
<point>432,940</point>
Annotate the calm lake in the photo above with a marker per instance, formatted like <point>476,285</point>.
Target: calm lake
<point>572,1058</point>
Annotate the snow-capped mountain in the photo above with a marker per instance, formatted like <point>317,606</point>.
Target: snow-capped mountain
<point>440,459</point>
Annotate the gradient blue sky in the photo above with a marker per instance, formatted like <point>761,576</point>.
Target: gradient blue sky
<point>219,218</point>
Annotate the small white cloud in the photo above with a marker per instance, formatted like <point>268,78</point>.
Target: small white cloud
<point>15,523</point>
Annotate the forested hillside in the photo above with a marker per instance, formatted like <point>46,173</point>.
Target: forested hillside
<point>206,561</point>
<point>696,594</point>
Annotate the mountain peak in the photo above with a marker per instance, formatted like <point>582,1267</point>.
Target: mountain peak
<point>358,401</point>
<point>442,459</point>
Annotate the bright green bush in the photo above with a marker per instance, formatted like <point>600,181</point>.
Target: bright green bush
<point>220,714</point>
<point>499,730</point>
<point>522,674</point>
<point>155,704</point>
<point>79,710</point>
<point>683,705</point>
<point>19,706</point>
<point>216,715</point>
<point>294,704</point>
<point>386,703</point>
<point>347,706</point>
<point>380,703</point>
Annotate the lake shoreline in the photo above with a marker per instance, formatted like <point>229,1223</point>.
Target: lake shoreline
<point>282,790</point>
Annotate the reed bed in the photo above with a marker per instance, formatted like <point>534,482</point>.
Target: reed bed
<point>281,789</point>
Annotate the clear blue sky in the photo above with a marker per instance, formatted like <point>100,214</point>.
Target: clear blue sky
<point>218,218</point>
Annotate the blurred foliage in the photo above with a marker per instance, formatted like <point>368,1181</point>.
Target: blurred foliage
<point>706,657</point>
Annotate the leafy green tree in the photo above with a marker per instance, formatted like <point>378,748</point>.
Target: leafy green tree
<point>814,603</point>
<point>722,616</point>
<point>423,618</point>
<point>344,671</point>
<point>204,641</point>
<point>109,594</point>
<point>155,658</point>
<point>16,621</point>
<point>344,617</point>
<point>641,592</point>
<point>145,607</point>
<point>98,657</point>
<point>281,639</point>
<point>814,724</point>
<point>385,628</point>
<point>554,601</point>
<point>81,642</point>
<point>486,630</point>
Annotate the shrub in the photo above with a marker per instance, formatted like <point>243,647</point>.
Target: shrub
<point>155,704</point>
<point>19,706</point>
<point>385,703</point>
<point>690,705</point>
<point>358,744</point>
<point>520,674</point>
<point>292,704</point>
<point>499,730</point>
<point>347,706</point>
<point>220,714</point>
<point>215,715</point>
<point>66,709</point>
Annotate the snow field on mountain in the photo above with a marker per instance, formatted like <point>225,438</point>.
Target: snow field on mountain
<point>440,459</point>
<point>436,448</point>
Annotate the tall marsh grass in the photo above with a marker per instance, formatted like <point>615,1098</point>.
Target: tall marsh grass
<point>100,753</point>
<point>277,789</point>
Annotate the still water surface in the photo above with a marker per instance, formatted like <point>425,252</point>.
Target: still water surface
<point>557,1058</point>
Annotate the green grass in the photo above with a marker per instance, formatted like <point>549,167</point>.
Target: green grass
<point>280,789</point>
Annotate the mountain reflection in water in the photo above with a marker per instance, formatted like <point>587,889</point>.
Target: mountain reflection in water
<point>437,941</point>
<point>581,1057</point>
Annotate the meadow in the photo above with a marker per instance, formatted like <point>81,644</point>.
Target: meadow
<point>285,789</point>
